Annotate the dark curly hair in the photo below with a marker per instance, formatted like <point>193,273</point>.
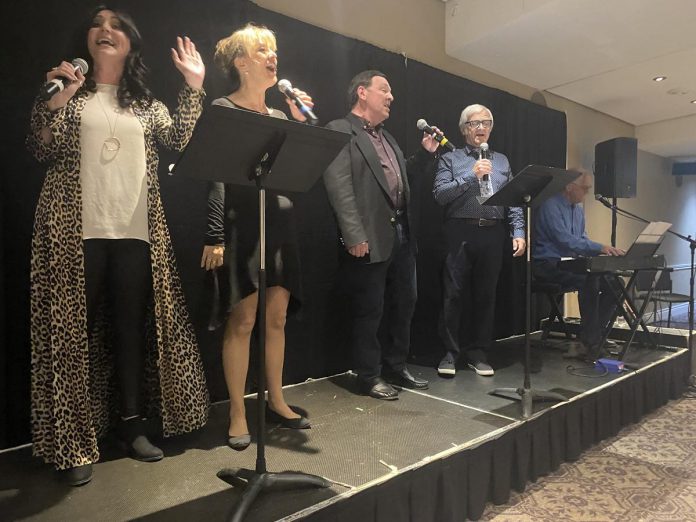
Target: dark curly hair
<point>132,87</point>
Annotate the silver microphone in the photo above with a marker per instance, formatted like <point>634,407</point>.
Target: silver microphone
<point>57,85</point>
<point>439,137</point>
<point>285,87</point>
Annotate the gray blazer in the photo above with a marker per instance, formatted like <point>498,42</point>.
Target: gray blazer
<point>358,191</point>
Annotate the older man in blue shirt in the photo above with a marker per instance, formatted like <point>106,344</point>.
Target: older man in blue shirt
<point>559,232</point>
<point>476,236</point>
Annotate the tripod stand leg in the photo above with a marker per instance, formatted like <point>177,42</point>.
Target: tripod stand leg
<point>255,483</point>
<point>254,487</point>
<point>292,480</point>
<point>528,397</point>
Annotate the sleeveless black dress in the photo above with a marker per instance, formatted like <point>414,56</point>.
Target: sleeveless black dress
<point>233,219</point>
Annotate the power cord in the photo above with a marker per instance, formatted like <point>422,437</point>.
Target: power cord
<point>590,371</point>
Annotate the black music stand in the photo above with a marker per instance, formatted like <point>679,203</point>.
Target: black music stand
<point>530,188</point>
<point>240,147</point>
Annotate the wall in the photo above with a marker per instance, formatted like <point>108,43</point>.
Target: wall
<point>416,28</point>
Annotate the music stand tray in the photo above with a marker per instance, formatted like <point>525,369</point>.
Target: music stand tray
<point>241,147</point>
<point>528,189</point>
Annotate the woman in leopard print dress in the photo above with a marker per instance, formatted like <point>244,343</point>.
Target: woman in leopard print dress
<point>110,333</point>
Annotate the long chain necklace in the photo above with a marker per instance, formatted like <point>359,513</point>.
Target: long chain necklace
<point>112,143</point>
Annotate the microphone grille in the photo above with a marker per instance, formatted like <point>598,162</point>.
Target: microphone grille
<point>421,124</point>
<point>81,64</point>
<point>598,197</point>
<point>284,86</point>
<point>484,146</point>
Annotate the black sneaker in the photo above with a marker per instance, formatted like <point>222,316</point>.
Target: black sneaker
<point>446,366</point>
<point>481,368</point>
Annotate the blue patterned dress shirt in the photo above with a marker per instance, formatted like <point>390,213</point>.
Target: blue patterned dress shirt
<point>456,187</point>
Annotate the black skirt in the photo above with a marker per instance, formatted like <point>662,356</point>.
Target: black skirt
<point>238,277</point>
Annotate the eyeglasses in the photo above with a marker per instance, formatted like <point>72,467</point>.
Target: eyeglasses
<point>475,124</point>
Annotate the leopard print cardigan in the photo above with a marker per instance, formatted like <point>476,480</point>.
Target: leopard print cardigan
<point>72,381</point>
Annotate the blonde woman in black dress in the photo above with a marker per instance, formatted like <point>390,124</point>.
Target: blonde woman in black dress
<point>249,56</point>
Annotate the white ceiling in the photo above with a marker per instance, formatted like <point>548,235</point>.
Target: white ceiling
<point>600,53</point>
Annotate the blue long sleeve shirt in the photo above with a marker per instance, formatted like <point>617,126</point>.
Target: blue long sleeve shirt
<point>456,187</point>
<point>559,231</point>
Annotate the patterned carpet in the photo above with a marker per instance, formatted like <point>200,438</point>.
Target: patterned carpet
<point>646,473</point>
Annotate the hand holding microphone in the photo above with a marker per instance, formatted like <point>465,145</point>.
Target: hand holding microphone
<point>63,82</point>
<point>300,103</point>
<point>483,166</point>
<point>435,134</point>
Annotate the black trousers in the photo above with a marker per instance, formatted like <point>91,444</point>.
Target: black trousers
<point>119,272</point>
<point>594,296</point>
<point>469,281</point>
<point>381,290</point>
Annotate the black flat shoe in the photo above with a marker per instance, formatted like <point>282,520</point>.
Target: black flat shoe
<point>299,423</point>
<point>79,475</point>
<point>405,379</point>
<point>240,442</point>
<point>378,388</point>
<point>138,446</point>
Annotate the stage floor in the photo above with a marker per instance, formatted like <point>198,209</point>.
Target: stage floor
<point>356,442</point>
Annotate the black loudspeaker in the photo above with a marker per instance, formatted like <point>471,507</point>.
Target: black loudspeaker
<point>616,168</point>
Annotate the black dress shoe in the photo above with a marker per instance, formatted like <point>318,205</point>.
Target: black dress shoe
<point>79,475</point>
<point>405,379</point>
<point>298,423</point>
<point>378,388</point>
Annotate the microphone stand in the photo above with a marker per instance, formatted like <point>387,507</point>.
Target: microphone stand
<point>614,221</point>
<point>692,271</point>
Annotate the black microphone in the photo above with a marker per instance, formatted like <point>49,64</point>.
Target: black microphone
<point>56,85</point>
<point>439,137</point>
<point>285,87</point>
<point>604,201</point>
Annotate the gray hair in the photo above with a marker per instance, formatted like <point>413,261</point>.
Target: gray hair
<point>470,111</point>
<point>584,174</point>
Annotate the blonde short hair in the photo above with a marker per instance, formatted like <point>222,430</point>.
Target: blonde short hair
<point>240,43</point>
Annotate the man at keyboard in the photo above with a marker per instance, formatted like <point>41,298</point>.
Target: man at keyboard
<point>559,232</point>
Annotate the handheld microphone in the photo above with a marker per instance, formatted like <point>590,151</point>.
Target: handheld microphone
<point>439,137</point>
<point>484,153</point>
<point>56,85</point>
<point>604,201</point>
<point>285,87</point>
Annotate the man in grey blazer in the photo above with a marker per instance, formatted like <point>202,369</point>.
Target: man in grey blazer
<point>368,189</point>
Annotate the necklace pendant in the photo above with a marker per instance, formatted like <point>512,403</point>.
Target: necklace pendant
<point>112,144</point>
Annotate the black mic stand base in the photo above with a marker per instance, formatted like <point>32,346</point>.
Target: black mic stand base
<point>528,397</point>
<point>256,483</point>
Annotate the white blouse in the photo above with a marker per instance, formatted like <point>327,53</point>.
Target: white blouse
<point>112,169</point>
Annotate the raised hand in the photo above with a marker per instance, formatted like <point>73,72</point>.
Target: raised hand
<point>189,62</point>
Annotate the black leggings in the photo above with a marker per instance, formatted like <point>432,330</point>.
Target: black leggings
<point>119,270</point>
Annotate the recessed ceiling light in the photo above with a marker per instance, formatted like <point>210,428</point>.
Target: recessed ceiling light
<point>693,101</point>
<point>659,78</point>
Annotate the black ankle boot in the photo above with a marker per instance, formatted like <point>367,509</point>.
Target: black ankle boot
<point>79,475</point>
<point>133,434</point>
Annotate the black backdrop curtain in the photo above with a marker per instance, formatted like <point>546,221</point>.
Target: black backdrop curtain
<point>313,59</point>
